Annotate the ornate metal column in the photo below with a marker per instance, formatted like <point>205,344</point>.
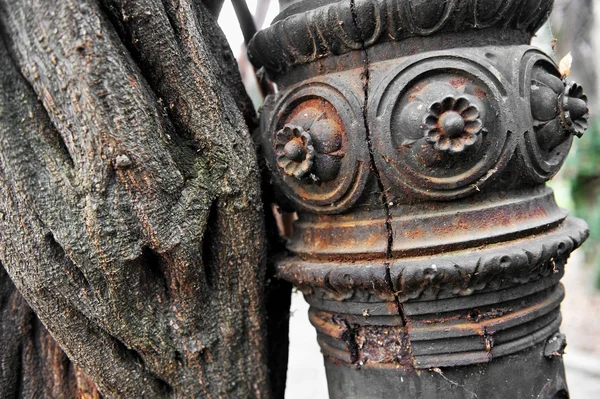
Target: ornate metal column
<point>414,139</point>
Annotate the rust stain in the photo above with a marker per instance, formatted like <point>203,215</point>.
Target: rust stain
<point>414,91</point>
<point>480,93</point>
<point>457,82</point>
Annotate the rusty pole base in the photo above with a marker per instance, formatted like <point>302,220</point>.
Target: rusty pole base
<point>404,324</point>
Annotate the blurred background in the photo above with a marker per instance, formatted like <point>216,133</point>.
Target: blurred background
<point>574,27</point>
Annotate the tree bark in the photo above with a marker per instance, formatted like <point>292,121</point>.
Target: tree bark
<point>130,206</point>
<point>32,365</point>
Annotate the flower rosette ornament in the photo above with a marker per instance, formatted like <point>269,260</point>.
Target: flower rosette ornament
<point>575,111</point>
<point>294,150</point>
<point>559,110</point>
<point>453,124</point>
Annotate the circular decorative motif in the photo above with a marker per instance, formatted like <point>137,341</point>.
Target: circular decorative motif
<point>294,150</point>
<point>432,129</point>
<point>315,147</point>
<point>452,124</point>
<point>558,112</point>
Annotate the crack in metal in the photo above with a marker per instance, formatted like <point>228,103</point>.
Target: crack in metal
<point>384,197</point>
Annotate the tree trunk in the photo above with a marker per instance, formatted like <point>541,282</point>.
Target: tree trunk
<point>32,365</point>
<point>131,216</point>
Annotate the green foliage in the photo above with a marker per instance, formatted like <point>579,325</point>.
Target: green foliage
<point>582,171</point>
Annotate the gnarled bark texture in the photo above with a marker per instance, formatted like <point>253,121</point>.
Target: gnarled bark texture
<point>32,365</point>
<point>130,211</point>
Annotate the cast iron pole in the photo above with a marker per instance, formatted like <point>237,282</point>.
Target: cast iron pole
<point>414,139</point>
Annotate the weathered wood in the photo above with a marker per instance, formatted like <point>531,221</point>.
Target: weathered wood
<point>131,218</point>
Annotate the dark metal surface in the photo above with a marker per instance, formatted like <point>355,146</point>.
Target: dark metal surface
<point>540,378</point>
<point>414,139</point>
<point>308,30</point>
